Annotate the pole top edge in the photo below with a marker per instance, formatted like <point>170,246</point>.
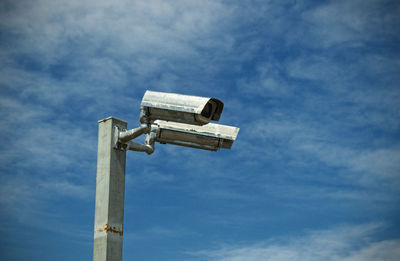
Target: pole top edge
<point>112,118</point>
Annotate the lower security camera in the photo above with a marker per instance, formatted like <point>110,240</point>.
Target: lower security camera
<point>208,137</point>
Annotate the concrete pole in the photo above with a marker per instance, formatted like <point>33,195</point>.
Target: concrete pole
<point>110,190</point>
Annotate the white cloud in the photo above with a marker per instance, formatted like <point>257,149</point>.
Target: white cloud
<point>320,68</point>
<point>69,61</point>
<point>269,81</point>
<point>26,198</point>
<point>295,139</point>
<point>39,151</point>
<point>121,28</point>
<point>100,53</point>
<point>113,50</point>
<point>387,250</point>
<point>67,188</point>
<point>337,244</point>
<point>381,162</point>
<point>347,22</point>
<point>157,232</point>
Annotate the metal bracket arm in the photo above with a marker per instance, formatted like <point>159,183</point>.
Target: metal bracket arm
<point>125,136</point>
<point>148,147</point>
<point>122,139</point>
<point>136,146</point>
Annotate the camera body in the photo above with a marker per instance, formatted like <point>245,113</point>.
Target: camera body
<point>179,108</point>
<point>208,137</point>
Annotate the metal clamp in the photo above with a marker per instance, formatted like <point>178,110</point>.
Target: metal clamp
<point>122,139</point>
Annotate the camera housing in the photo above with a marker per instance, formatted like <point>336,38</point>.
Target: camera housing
<point>208,137</point>
<point>179,108</point>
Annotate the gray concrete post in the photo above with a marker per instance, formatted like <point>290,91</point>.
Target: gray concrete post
<point>110,190</point>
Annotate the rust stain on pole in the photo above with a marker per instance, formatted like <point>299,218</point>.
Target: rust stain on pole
<point>107,229</point>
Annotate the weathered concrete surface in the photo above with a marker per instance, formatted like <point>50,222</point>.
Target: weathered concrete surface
<point>110,190</point>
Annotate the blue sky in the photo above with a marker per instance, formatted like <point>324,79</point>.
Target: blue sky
<point>312,85</point>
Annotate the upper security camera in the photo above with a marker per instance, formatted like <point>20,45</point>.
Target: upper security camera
<point>179,108</point>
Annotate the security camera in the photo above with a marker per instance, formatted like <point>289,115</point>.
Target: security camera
<point>208,137</point>
<point>179,108</point>
<point>177,119</point>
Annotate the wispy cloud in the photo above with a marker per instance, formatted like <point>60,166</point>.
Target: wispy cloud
<point>313,87</point>
<point>351,23</point>
<point>320,104</point>
<point>337,244</point>
<point>31,201</point>
<point>158,232</point>
<point>79,62</point>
